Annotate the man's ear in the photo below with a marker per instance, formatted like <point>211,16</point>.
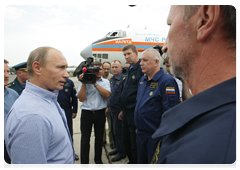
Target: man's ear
<point>209,15</point>
<point>36,67</point>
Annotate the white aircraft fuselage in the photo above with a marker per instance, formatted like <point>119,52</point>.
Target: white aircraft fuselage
<point>109,48</point>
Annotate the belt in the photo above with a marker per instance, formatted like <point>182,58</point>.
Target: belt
<point>95,111</point>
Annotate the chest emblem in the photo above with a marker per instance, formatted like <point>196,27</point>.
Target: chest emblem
<point>66,90</point>
<point>133,77</point>
<point>151,93</point>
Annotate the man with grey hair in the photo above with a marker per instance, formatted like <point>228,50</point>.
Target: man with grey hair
<point>157,92</point>
<point>36,130</point>
<point>201,44</point>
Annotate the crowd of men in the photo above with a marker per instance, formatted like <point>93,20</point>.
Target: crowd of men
<point>150,121</point>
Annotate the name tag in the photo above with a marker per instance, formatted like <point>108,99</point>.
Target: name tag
<point>154,85</point>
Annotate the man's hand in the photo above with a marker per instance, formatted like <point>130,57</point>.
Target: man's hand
<point>107,112</point>
<point>120,116</point>
<point>74,115</point>
<point>81,76</point>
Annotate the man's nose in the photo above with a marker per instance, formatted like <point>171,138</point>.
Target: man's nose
<point>165,48</point>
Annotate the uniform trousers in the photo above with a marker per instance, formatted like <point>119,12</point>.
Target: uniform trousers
<point>116,129</point>
<point>146,147</point>
<point>68,113</point>
<point>129,135</point>
<point>89,118</point>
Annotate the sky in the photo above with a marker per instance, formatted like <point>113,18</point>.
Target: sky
<point>70,28</point>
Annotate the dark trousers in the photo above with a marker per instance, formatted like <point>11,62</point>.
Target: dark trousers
<point>129,136</point>
<point>89,118</point>
<point>146,147</point>
<point>68,113</point>
<point>116,129</point>
<point>6,156</point>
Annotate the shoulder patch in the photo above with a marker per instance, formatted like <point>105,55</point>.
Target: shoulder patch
<point>10,84</point>
<point>170,90</point>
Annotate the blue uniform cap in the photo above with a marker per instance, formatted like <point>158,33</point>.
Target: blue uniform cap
<point>21,66</point>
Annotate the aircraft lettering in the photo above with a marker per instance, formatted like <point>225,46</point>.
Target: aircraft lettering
<point>123,42</point>
<point>151,39</point>
<point>163,39</point>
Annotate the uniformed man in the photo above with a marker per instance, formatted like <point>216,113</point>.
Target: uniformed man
<point>19,82</point>
<point>114,108</point>
<point>107,75</point>
<point>157,92</point>
<point>68,101</point>
<point>201,44</point>
<point>128,101</point>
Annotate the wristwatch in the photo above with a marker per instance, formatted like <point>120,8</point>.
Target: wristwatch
<point>96,85</point>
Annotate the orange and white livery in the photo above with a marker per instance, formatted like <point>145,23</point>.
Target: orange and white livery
<point>109,48</point>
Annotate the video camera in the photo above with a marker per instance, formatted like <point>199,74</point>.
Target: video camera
<point>124,70</point>
<point>159,48</point>
<point>87,68</point>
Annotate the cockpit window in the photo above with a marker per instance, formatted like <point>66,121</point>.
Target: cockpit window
<point>114,34</point>
<point>118,33</point>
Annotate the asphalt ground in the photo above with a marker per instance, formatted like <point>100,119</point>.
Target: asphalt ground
<point>106,159</point>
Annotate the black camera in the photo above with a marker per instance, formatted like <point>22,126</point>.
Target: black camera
<point>124,70</point>
<point>159,48</point>
<point>87,68</point>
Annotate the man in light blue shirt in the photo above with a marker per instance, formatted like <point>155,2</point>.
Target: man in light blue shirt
<point>94,101</point>
<point>10,97</point>
<point>36,130</point>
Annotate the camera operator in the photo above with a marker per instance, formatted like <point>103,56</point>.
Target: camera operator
<point>94,101</point>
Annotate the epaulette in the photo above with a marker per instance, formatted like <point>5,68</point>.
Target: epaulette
<point>124,78</point>
<point>10,84</point>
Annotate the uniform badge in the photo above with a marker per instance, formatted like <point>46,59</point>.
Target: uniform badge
<point>124,78</point>
<point>151,93</point>
<point>66,90</point>
<point>117,82</point>
<point>66,84</point>
<point>154,85</point>
<point>133,77</point>
<point>170,90</point>
<point>141,82</point>
<point>74,88</point>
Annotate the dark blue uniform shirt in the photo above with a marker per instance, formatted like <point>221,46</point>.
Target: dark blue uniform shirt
<point>154,97</point>
<point>16,85</point>
<point>200,130</point>
<point>116,84</point>
<point>129,93</point>
<point>67,97</point>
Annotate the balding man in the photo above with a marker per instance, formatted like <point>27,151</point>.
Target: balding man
<point>36,130</point>
<point>157,92</point>
<point>201,44</point>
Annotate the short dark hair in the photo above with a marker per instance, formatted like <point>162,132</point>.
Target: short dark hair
<point>97,63</point>
<point>130,46</point>
<point>106,62</point>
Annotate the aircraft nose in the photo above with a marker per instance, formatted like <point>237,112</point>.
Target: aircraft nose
<point>86,52</point>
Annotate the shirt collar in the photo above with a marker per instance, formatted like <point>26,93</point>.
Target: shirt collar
<point>5,91</point>
<point>119,76</point>
<point>157,76</point>
<point>181,114</point>
<point>43,93</point>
